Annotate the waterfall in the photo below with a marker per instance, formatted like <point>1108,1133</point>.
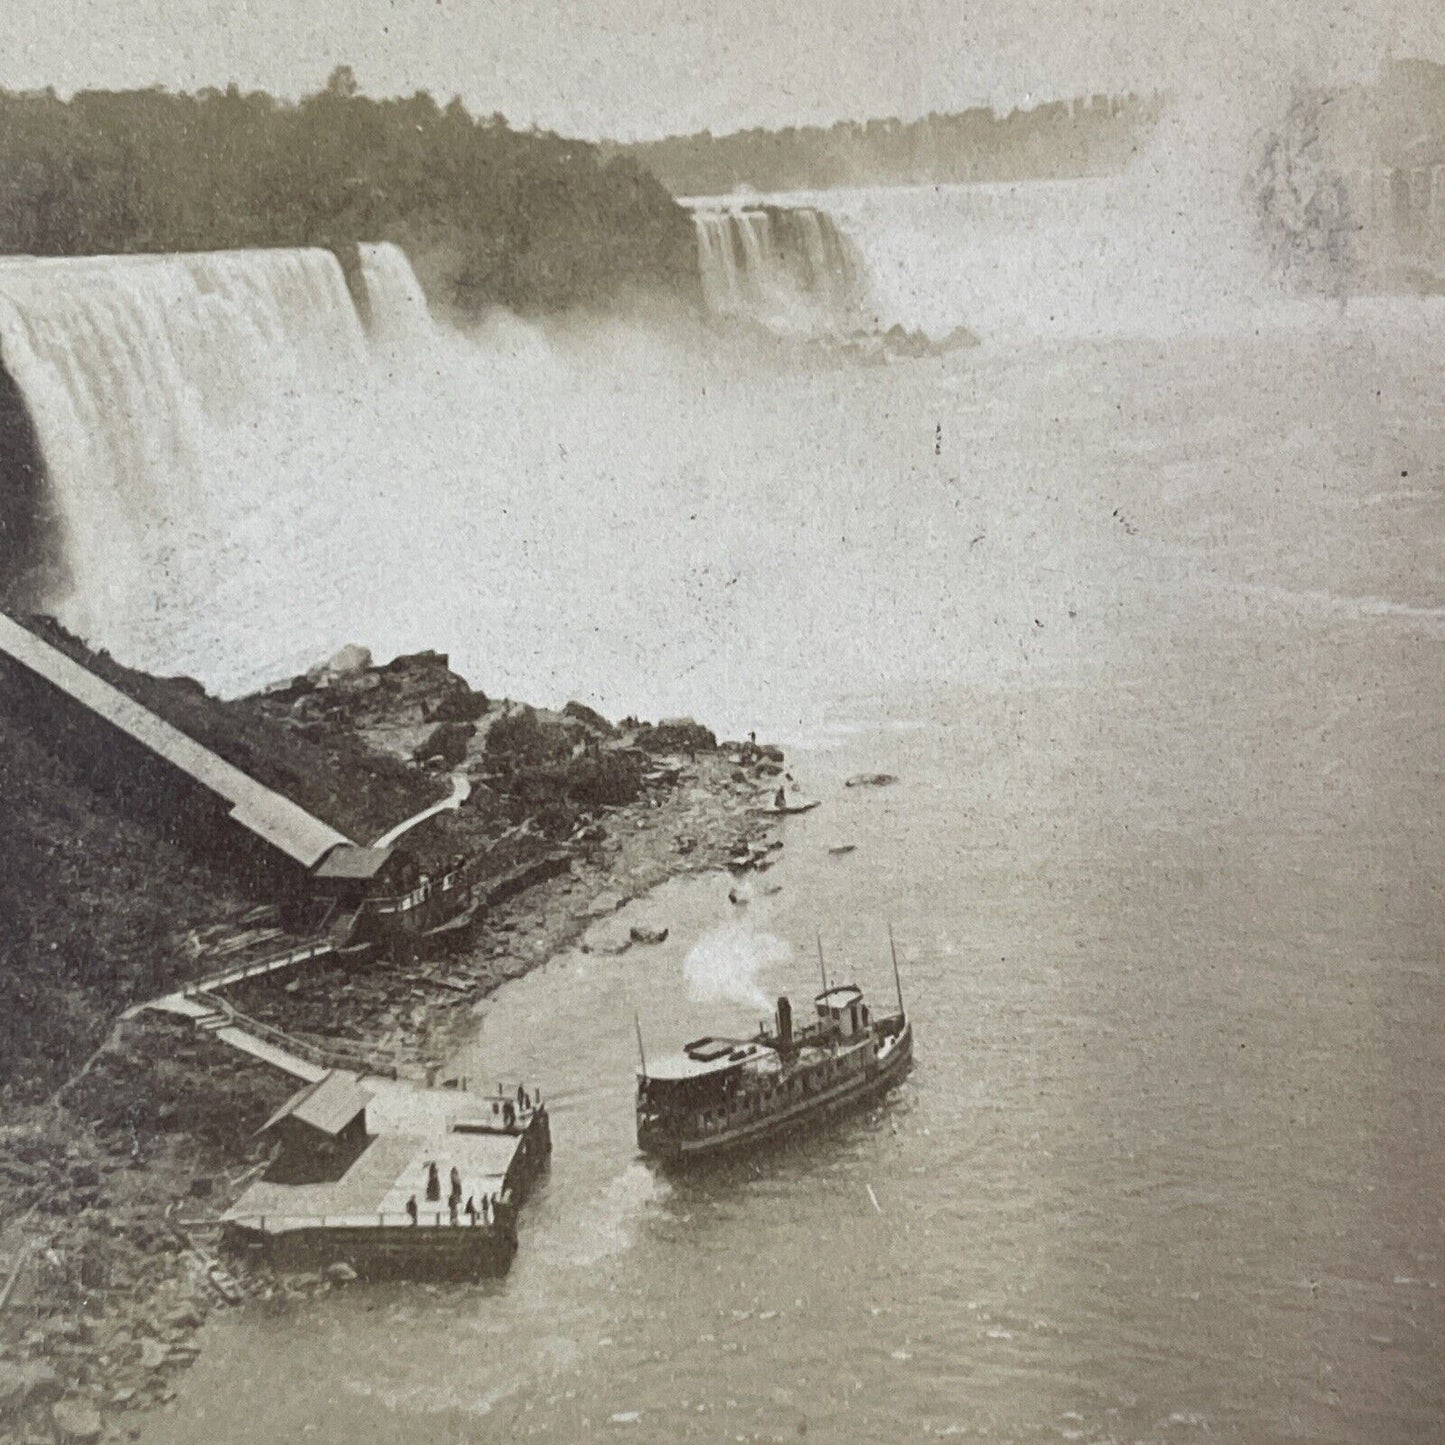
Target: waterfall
<point>791,268</point>
<point>135,370</point>
<point>397,302</point>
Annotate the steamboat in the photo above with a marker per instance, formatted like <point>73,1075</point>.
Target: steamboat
<point>721,1094</point>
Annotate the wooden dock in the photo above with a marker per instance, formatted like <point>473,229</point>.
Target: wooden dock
<point>364,1215</point>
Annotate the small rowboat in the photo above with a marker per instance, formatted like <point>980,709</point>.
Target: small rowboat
<point>787,810</point>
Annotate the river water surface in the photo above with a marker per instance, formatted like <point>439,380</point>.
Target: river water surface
<point>1151,635</point>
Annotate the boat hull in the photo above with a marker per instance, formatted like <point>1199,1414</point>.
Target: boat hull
<point>687,1149</point>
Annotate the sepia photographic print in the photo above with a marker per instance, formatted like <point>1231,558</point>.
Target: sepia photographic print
<point>722,723</point>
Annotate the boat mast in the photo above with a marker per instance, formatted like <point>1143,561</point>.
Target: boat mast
<point>637,1024</point>
<point>897,983</point>
<point>822,967</point>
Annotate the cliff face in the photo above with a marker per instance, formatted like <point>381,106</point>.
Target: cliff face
<point>336,775</point>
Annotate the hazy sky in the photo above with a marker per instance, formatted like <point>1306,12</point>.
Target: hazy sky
<point>645,67</point>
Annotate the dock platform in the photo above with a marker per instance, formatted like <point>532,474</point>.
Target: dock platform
<point>354,1188</point>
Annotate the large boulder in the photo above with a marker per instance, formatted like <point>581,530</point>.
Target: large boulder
<point>605,780</point>
<point>76,1423</point>
<point>591,719</point>
<point>462,704</point>
<point>447,741</point>
<point>26,1383</point>
<point>418,661</point>
<point>527,737</point>
<point>352,658</point>
<point>353,682</point>
<point>677,735</point>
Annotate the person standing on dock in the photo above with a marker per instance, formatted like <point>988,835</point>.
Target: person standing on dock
<point>411,1209</point>
<point>486,1211</point>
<point>471,1210</point>
<point>780,799</point>
<point>433,1183</point>
<point>455,1197</point>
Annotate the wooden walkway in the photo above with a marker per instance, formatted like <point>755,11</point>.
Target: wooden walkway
<point>461,791</point>
<point>210,1019</point>
<point>236,974</point>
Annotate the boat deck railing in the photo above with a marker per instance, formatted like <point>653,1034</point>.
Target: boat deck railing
<point>790,1096</point>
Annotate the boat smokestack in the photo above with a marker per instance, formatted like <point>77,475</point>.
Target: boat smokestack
<point>785,1023</point>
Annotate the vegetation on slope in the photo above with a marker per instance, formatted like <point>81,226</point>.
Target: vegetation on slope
<point>339,778</point>
<point>96,904</point>
<point>531,220</point>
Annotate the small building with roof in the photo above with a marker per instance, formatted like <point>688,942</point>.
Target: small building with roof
<point>321,1128</point>
<point>351,873</point>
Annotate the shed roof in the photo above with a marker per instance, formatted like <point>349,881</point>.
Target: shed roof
<point>280,822</point>
<point>328,1105</point>
<point>352,861</point>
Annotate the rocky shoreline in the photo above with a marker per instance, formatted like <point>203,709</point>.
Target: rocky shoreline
<point>108,1188</point>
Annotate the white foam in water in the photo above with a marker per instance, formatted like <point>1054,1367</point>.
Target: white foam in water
<point>724,966</point>
<point>1106,256</point>
<point>1169,246</point>
<point>648,520</point>
<point>609,1222</point>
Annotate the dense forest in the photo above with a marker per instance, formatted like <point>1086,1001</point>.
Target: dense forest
<point>490,215</point>
<point>1082,137</point>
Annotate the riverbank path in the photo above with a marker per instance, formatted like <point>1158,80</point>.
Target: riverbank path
<point>461,791</point>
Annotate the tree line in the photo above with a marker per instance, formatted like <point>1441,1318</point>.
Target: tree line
<point>492,215</point>
<point>1088,136</point>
